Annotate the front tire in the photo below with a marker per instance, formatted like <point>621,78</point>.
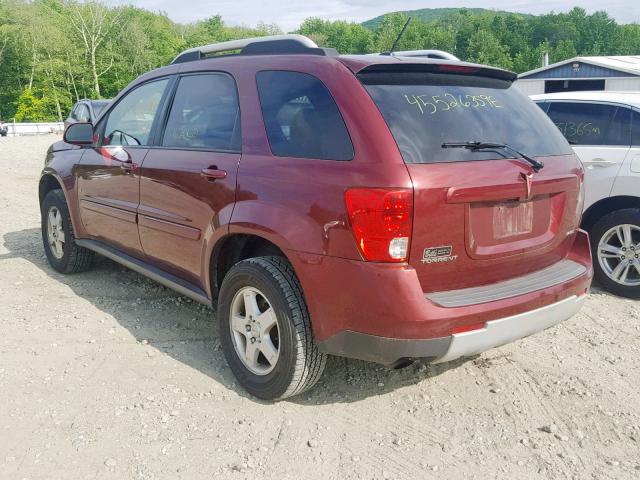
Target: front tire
<point>57,236</point>
<point>615,244</point>
<point>265,329</point>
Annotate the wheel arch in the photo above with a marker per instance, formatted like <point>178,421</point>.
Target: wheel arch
<point>51,181</point>
<point>233,248</point>
<point>48,182</point>
<point>605,206</point>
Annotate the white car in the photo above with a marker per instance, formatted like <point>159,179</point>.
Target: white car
<point>604,130</point>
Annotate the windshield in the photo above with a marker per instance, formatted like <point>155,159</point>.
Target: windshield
<point>425,110</point>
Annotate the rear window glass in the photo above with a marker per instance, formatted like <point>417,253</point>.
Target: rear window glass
<point>301,117</point>
<point>592,123</point>
<point>425,110</point>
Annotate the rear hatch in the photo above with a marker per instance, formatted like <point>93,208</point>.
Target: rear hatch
<point>480,215</point>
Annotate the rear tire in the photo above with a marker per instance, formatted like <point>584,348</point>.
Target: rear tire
<point>57,236</point>
<point>287,361</point>
<point>604,234</point>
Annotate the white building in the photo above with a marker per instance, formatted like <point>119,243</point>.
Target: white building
<point>620,73</point>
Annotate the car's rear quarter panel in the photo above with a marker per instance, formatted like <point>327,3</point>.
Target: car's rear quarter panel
<point>298,204</point>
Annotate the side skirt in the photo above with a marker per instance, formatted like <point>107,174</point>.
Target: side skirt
<point>154,273</point>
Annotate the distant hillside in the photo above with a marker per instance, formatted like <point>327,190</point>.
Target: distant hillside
<point>428,14</point>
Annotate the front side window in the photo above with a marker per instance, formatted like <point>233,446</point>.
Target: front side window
<point>301,118</point>
<point>204,114</point>
<point>130,121</point>
<point>592,123</point>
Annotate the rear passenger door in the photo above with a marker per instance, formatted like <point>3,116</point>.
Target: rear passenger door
<point>188,179</point>
<point>600,134</point>
<point>628,179</point>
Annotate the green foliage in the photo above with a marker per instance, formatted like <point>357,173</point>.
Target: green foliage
<point>36,105</point>
<point>48,62</point>
<point>55,52</point>
<point>485,48</point>
<point>344,36</point>
<point>431,14</point>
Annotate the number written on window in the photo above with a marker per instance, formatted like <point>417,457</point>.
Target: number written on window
<point>432,104</point>
<point>581,129</point>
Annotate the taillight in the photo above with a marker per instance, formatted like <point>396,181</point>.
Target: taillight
<point>381,221</point>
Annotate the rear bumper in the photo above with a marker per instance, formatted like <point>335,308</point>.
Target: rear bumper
<point>444,349</point>
<point>378,312</point>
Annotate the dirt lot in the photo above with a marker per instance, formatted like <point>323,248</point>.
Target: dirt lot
<point>106,374</point>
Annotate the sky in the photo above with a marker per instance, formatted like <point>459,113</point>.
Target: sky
<point>288,14</point>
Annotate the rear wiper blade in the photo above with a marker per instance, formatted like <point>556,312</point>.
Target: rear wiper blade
<point>537,165</point>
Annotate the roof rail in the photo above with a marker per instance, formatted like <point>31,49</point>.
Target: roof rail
<point>438,54</point>
<point>269,45</point>
<point>441,54</point>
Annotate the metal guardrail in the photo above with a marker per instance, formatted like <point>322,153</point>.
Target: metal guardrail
<point>36,128</point>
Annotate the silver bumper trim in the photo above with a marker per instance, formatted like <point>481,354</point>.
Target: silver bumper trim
<point>555,274</point>
<point>505,330</point>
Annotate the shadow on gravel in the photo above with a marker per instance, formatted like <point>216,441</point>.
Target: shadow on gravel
<point>185,330</point>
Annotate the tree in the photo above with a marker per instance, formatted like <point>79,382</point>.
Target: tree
<point>94,23</point>
<point>485,48</point>
<point>54,52</point>
<point>35,106</point>
<point>345,37</point>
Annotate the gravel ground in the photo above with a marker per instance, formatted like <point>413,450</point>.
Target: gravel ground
<point>106,374</point>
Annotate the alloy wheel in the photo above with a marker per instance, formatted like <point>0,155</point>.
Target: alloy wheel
<point>254,330</point>
<point>619,254</point>
<point>55,232</point>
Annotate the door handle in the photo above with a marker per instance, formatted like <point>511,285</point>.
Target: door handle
<point>213,173</point>
<point>599,162</point>
<point>128,166</point>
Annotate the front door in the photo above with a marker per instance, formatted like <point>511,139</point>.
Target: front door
<point>188,181</point>
<point>109,173</point>
<point>600,134</point>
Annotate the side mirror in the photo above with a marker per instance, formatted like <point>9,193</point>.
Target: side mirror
<point>79,134</point>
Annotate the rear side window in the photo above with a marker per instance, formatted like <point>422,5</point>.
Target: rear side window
<point>83,113</point>
<point>592,123</point>
<point>98,107</point>
<point>204,114</point>
<point>424,110</point>
<point>544,106</point>
<point>301,117</point>
<point>635,124</point>
<point>130,121</point>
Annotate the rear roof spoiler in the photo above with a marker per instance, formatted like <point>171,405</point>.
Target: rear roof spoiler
<point>460,68</point>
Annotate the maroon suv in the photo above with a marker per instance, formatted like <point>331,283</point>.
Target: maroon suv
<point>375,207</point>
